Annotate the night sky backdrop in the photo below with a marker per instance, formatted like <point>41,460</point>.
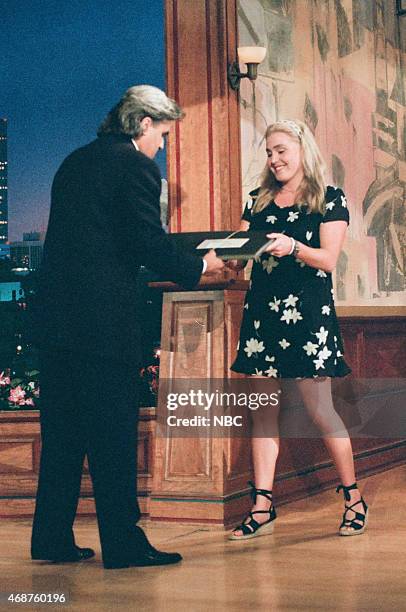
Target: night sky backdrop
<point>67,62</point>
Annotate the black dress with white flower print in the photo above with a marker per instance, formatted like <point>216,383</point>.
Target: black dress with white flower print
<point>289,327</point>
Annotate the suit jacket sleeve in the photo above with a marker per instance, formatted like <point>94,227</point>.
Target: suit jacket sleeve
<point>141,194</point>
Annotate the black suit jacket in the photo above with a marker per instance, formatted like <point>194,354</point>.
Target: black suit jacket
<point>104,223</point>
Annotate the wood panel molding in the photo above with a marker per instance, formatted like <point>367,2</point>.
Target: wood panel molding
<point>20,447</point>
<point>204,169</point>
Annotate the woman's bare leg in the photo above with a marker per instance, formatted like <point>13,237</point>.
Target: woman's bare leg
<point>317,398</point>
<point>265,446</point>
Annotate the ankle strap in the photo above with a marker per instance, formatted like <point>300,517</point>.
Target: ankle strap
<point>346,489</point>
<point>255,492</point>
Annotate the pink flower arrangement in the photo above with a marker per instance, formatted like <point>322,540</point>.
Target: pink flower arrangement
<point>17,395</point>
<point>19,392</point>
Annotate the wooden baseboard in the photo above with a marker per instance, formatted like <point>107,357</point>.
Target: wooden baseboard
<point>309,481</point>
<point>289,486</point>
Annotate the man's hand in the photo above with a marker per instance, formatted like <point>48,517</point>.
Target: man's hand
<point>214,264</point>
<point>235,265</point>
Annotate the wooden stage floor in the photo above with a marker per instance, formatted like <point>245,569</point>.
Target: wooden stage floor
<point>303,566</point>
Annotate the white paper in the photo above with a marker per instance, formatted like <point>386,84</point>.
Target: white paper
<point>223,243</point>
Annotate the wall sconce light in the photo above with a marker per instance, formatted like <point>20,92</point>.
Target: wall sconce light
<point>252,56</point>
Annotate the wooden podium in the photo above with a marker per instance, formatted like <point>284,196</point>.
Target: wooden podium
<point>201,479</point>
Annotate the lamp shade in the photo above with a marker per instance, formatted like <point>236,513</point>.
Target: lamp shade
<point>251,55</point>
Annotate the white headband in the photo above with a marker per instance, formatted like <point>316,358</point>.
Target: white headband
<point>293,126</point>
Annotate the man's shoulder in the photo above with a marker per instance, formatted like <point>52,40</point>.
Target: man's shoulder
<point>113,148</point>
<point>122,147</point>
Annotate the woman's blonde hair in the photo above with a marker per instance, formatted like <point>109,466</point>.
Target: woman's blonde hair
<point>312,190</point>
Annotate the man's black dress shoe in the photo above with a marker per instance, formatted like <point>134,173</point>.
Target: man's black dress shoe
<point>149,557</point>
<point>141,553</point>
<point>71,556</point>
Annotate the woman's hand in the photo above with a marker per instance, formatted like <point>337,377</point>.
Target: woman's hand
<point>281,246</point>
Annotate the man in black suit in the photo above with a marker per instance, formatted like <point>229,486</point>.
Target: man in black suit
<point>104,223</point>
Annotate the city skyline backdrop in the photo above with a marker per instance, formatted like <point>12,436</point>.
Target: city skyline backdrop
<point>66,65</point>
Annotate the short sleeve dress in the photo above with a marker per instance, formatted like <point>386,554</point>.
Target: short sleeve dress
<point>289,327</point>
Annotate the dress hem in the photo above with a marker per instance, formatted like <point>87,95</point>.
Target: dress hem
<point>344,372</point>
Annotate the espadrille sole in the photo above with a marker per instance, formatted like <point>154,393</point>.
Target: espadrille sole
<point>353,532</point>
<point>266,529</point>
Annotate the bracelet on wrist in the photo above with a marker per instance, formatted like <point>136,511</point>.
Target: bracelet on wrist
<point>295,247</point>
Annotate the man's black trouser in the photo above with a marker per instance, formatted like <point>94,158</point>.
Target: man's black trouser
<point>89,406</point>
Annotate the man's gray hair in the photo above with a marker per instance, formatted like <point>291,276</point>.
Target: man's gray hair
<point>138,102</point>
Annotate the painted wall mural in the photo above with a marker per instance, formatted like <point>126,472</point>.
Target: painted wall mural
<point>339,65</point>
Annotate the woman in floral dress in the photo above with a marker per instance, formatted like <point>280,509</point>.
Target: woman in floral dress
<point>289,327</point>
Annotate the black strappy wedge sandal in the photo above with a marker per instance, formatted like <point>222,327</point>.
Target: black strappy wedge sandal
<point>350,526</point>
<point>253,529</point>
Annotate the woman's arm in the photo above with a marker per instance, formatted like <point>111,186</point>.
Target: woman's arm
<point>325,258</point>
